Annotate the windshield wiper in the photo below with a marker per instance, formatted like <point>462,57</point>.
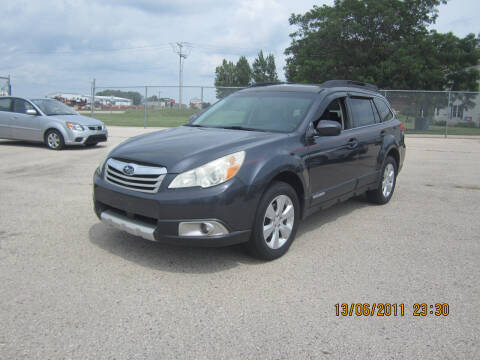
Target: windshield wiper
<point>236,127</point>
<point>193,125</point>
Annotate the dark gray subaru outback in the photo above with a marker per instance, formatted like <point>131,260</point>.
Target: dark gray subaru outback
<point>253,165</point>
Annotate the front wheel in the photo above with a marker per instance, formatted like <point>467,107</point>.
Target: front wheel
<point>54,140</point>
<point>276,222</point>
<point>384,192</point>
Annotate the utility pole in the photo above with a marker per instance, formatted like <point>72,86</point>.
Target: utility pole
<point>182,50</point>
<point>92,99</point>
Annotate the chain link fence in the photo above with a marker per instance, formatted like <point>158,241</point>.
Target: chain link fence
<point>437,112</point>
<point>148,106</point>
<point>422,112</point>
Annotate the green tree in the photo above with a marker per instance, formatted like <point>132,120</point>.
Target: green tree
<point>264,69</point>
<point>381,41</point>
<point>243,72</point>
<point>271,69</point>
<point>136,97</point>
<point>225,75</point>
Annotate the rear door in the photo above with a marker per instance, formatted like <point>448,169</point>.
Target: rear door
<point>6,105</point>
<point>25,126</point>
<point>367,133</point>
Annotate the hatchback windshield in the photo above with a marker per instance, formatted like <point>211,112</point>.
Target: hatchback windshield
<point>53,107</point>
<point>258,111</point>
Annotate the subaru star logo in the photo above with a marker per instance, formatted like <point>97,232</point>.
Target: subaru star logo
<point>128,170</point>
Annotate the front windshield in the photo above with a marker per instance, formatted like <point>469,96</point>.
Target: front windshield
<point>259,111</point>
<point>53,107</point>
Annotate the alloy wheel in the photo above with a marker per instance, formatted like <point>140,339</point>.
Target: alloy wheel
<point>278,221</point>
<point>388,180</point>
<point>53,140</point>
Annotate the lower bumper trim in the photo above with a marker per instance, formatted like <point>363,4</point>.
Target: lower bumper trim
<point>131,226</point>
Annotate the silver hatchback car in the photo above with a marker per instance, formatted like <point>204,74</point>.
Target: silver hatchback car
<point>48,121</point>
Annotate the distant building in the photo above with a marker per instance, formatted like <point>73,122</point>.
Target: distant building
<point>80,99</point>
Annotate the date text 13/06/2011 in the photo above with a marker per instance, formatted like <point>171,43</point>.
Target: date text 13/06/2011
<point>391,309</point>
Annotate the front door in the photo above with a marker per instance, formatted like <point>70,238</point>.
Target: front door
<point>25,126</point>
<point>331,159</point>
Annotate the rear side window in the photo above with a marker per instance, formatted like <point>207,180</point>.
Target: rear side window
<point>383,110</point>
<point>5,104</point>
<point>362,111</point>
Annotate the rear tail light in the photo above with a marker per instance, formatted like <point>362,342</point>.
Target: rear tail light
<point>402,127</point>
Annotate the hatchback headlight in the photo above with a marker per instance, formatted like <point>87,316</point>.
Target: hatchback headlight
<point>210,174</point>
<point>74,126</point>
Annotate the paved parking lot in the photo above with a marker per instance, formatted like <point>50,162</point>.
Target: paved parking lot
<point>73,288</point>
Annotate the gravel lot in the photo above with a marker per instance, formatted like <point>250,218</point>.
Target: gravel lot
<point>73,288</point>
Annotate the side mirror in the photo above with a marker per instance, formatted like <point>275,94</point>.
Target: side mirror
<point>328,128</point>
<point>31,112</point>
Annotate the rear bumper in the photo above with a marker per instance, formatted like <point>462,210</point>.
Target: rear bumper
<point>156,217</point>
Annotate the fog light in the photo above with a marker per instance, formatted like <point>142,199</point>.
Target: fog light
<point>206,228</point>
<point>201,228</point>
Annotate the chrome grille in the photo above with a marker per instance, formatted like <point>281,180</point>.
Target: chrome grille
<point>134,176</point>
<point>91,127</point>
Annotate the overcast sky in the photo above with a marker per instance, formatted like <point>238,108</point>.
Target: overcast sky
<point>54,45</point>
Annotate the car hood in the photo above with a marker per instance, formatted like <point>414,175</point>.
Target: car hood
<point>79,119</point>
<point>183,148</point>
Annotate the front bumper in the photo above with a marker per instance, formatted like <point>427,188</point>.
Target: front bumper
<point>86,137</point>
<point>156,217</point>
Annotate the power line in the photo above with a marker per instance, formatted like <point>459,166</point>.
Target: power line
<point>87,51</point>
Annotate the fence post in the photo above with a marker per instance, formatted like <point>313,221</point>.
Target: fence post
<point>145,109</point>
<point>449,111</point>
<point>92,99</point>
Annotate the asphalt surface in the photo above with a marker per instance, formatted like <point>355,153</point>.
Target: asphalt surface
<point>71,287</point>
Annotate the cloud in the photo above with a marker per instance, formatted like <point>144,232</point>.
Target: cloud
<point>66,44</point>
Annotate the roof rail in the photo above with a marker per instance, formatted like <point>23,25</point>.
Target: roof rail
<point>349,83</point>
<point>269,83</point>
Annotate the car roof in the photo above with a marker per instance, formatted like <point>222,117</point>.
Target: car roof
<point>284,87</point>
<point>330,86</point>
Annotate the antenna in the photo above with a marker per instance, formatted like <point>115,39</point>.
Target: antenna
<point>182,49</point>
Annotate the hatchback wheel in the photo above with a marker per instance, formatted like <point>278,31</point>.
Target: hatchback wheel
<point>54,140</point>
<point>276,222</point>
<point>385,189</point>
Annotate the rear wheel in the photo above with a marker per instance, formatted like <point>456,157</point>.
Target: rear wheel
<point>384,192</point>
<point>54,140</point>
<point>276,222</point>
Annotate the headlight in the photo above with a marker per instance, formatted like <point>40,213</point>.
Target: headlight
<point>210,174</point>
<point>74,126</point>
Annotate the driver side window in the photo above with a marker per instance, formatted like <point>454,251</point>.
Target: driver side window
<point>21,106</point>
<point>336,111</point>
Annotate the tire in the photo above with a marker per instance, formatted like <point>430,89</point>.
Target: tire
<point>386,186</point>
<point>54,140</point>
<point>269,243</point>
